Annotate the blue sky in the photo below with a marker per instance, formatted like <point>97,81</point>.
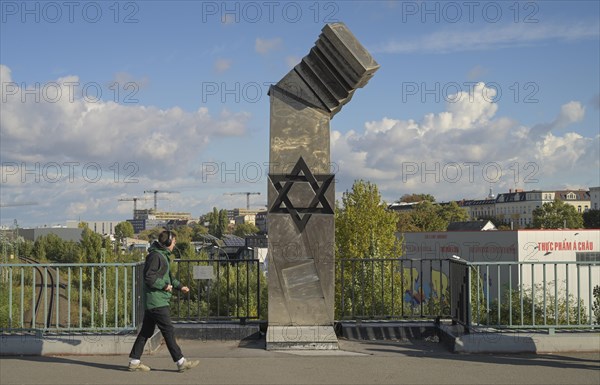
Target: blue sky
<point>103,100</point>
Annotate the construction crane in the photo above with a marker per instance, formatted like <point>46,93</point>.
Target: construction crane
<point>159,191</point>
<point>247,194</point>
<point>134,199</point>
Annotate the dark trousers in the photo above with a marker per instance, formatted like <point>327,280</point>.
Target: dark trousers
<point>156,317</point>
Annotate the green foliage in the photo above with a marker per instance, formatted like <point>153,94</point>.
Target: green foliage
<point>91,246</point>
<point>429,216</point>
<point>197,232</point>
<point>5,305</point>
<point>452,212</point>
<point>363,226</point>
<point>426,216</point>
<point>52,248</point>
<point>232,292</point>
<point>532,306</point>
<point>123,230</point>
<point>591,219</point>
<point>411,198</point>
<point>150,234</point>
<point>596,304</point>
<point>557,215</point>
<point>390,288</point>
<point>245,229</point>
<point>365,229</point>
<point>218,222</point>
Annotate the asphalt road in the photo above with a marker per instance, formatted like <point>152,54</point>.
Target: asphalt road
<point>357,363</point>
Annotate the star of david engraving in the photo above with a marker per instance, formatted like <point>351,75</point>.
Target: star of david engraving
<point>283,184</point>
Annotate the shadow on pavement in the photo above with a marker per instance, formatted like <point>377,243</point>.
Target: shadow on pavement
<point>587,361</point>
<point>71,361</point>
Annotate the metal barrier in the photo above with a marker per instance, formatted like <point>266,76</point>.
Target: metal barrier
<point>392,288</point>
<point>108,296</point>
<point>533,295</point>
<point>460,292</point>
<point>61,297</point>
<point>222,290</point>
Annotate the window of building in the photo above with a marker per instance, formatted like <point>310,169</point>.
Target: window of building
<point>587,257</point>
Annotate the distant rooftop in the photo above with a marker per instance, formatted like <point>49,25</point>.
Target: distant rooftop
<point>471,226</point>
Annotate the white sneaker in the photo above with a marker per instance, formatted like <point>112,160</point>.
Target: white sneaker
<point>138,367</point>
<point>187,364</point>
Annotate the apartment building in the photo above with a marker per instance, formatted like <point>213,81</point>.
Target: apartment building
<point>517,207</point>
<point>595,198</point>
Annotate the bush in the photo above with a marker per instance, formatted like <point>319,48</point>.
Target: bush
<point>596,305</point>
<point>527,308</point>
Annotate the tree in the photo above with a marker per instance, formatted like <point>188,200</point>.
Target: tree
<point>91,245</point>
<point>364,228</point>
<point>123,230</point>
<point>213,222</point>
<point>218,222</point>
<point>367,252</point>
<point>591,219</point>
<point>183,233</point>
<point>197,231</point>
<point>426,216</point>
<point>557,215</point>
<point>150,234</point>
<point>405,223</point>
<point>412,198</point>
<point>429,216</point>
<point>223,223</point>
<point>245,229</point>
<point>452,212</point>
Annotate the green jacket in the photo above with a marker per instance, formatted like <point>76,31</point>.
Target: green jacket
<point>157,275</point>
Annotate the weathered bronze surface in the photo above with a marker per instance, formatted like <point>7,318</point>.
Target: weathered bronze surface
<point>301,192</point>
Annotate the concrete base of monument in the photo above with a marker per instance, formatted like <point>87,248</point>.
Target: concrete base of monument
<point>295,337</point>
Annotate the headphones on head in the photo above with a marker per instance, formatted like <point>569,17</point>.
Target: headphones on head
<point>169,238</point>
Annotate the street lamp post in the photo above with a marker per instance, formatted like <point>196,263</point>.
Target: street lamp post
<point>221,250</point>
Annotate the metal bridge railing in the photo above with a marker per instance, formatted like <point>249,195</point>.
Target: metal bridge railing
<point>392,288</point>
<point>460,293</point>
<point>59,297</point>
<point>220,290</point>
<point>108,297</point>
<point>545,295</point>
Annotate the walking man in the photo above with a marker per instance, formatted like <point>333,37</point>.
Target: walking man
<point>158,289</point>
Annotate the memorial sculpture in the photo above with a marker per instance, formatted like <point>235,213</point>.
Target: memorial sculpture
<point>301,191</point>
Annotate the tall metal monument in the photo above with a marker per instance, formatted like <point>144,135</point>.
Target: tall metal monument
<point>301,192</point>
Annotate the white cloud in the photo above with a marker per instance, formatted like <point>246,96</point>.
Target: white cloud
<point>491,37</point>
<point>465,150</point>
<point>67,128</point>
<point>264,46</point>
<point>571,112</point>
<point>222,65</point>
<point>69,149</point>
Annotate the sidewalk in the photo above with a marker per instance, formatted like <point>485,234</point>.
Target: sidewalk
<point>231,362</point>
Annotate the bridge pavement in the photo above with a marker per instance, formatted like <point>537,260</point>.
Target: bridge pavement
<point>376,362</point>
